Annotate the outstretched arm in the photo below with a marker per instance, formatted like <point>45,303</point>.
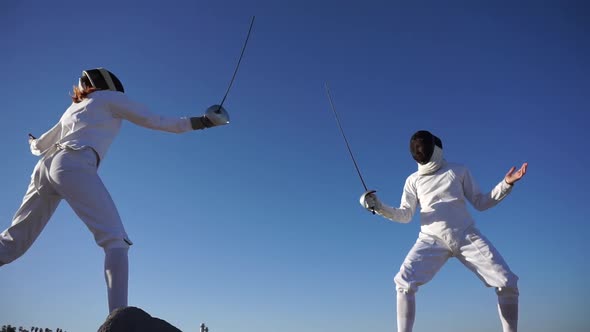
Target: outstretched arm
<point>139,114</point>
<point>512,176</point>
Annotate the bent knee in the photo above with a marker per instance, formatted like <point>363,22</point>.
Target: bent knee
<point>507,291</point>
<point>11,252</point>
<point>405,286</point>
<point>510,281</point>
<point>116,243</point>
<point>406,291</point>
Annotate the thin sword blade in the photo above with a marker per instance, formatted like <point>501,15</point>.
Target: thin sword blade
<point>344,136</point>
<point>231,82</point>
<point>358,171</point>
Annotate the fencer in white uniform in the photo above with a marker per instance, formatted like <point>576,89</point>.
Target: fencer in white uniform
<point>70,154</point>
<point>442,190</point>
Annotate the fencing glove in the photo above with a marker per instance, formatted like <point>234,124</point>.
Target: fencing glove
<point>215,115</point>
<point>370,201</point>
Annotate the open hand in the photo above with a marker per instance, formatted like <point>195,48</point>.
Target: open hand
<point>512,176</point>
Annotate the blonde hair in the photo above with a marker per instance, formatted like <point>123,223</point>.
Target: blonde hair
<point>78,94</point>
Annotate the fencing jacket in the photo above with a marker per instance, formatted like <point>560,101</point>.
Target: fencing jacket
<point>442,198</point>
<point>95,122</point>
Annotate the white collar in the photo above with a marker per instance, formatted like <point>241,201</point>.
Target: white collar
<point>435,163</point>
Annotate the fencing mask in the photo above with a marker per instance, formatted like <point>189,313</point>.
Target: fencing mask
<point>422,146</point>
<point>100,79</point>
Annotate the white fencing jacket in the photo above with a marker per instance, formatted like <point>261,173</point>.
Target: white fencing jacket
<point>442,198</point>
<point>96,121</point>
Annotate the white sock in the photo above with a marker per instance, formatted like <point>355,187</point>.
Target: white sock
<point>406,311</point>
<point>508,310</point>
<point>116,274</point>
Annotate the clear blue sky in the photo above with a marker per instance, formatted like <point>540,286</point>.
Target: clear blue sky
<point>256,226</point>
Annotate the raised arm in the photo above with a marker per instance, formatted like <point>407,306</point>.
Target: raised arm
<point>481,201</point>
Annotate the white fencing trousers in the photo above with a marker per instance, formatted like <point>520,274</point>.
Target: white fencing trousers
<point>70,175</point>
<point>477,253</point>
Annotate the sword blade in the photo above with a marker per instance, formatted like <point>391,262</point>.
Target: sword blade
<point>344,136</point>
<point>231,82</point>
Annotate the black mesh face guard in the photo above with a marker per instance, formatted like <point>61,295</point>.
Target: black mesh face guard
<point>422,146</point>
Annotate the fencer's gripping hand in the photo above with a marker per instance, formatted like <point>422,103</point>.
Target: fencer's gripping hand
<point>215,115</point>
<point>370,201</point>
<point>31,138</point>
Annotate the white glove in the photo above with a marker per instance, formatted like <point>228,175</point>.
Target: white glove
<point>217,115</point>
<point>214,116</point>
<point>370,201</point>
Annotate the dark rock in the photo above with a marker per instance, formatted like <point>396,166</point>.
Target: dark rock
<point>132,319</point>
